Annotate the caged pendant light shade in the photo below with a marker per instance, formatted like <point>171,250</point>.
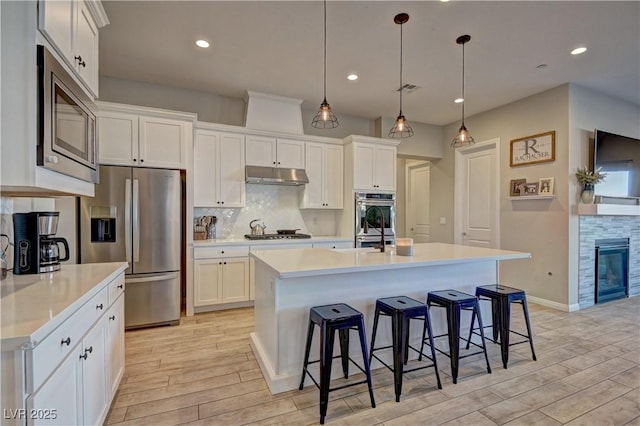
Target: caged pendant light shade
<point>401,128</point>
<point>463,138</point>
<point>325,119</point>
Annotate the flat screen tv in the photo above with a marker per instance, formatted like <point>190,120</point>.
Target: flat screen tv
<point>619,157</point>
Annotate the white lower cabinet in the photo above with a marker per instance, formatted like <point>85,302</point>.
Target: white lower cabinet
<point>115,344</point>
<point>334,245</point>
<point>88,362</point>
<point>221,279</point>
<point>59,400</point>
<point>76,392</point>
<point>94,374</point>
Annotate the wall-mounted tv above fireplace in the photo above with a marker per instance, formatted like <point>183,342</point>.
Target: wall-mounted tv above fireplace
<point>619,157</point>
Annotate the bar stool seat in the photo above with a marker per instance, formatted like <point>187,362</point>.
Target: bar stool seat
<point>501,297</point>
<point>329,318</point>
<point>455,302</point>
<point>402,310</point>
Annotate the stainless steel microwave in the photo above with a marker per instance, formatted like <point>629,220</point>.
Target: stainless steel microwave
<point>67,141</point>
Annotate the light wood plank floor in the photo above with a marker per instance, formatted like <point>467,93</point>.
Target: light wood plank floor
<point>204,372</point>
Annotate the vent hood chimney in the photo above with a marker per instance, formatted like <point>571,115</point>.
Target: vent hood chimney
<point>273,113</point>
<point>275,176</point>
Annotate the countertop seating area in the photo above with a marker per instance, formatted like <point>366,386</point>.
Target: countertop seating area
<point>204,372</point>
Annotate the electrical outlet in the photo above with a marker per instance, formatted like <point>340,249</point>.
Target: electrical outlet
<point>443,221</point>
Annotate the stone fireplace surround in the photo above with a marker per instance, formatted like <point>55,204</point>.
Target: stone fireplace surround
<point>593,228</point>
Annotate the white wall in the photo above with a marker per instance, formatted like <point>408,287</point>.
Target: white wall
<point>209,107</point>
<point>426,142</point>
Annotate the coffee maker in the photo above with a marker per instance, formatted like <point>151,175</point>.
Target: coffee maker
<point>36,249</point>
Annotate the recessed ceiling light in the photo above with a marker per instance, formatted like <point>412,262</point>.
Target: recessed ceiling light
<point>578,50</point>
<point>459,101</point>
<point>444,1</point>
<point>202,43</point>
<point>352,77</point>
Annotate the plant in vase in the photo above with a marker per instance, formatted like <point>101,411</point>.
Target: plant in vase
<point>588,178</point>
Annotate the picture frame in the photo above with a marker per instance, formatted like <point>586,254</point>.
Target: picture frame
<point>546,186</point>
<point>530,188</point>
<point>517,187</point>
<point>540,148</point>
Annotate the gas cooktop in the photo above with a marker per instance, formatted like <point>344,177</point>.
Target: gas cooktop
<point>277,236</point>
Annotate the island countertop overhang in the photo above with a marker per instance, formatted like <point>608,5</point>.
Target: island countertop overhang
<point>293,263</point>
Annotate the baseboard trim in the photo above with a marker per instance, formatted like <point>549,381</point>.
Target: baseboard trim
<point>555,305</point>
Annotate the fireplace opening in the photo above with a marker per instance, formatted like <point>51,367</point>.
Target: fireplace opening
<point>612,269</point>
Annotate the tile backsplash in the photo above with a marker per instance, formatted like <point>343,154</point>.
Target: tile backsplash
<point>277,207</point>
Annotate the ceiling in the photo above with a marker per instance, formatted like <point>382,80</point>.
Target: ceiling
<point>277,48</point>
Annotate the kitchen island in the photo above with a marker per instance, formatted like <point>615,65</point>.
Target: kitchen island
<point>289,282</point>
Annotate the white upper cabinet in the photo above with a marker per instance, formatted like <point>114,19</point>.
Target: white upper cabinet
<point>85,52</point>
<point>324,167</point>
<point>72,29</point>
<point>374,167</point>
<point>274,152</point>
<point>130,139</point>
<point>218,166</point>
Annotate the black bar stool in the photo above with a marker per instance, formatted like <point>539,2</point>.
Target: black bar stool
<point>402,310</point>
<point>330,318</point>
<point>501,298</point>
<point>454,302</point>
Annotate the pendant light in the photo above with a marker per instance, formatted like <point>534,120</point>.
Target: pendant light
<point>401,129</point>
<point>463,138</point>
<point>325,119</point>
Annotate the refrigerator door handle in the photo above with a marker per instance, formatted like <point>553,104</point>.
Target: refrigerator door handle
<point>136,221</point>
<point>169,276</point>
<point>127,220</point>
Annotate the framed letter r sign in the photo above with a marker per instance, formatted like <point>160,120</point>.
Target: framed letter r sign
<point>539,148</point>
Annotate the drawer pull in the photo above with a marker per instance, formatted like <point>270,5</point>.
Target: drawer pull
<point>100,306</point>
<point>112,317</point>
<point>84,356</point>
<point>66,341</point>
<point>121,286</point>
<point>89,349</point>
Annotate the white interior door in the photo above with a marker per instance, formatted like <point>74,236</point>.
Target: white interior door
<point>418,220</point>
<point>477,195</point>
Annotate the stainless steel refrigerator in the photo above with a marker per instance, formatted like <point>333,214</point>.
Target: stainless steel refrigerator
<point>136,216</point>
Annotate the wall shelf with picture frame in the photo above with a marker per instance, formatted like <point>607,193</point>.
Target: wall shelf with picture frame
<point>532,197</point>
<point>520,189</point>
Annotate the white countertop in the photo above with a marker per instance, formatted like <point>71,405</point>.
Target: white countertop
<point>313,262</point>
<point>247,242</point>
<point>31,306</point>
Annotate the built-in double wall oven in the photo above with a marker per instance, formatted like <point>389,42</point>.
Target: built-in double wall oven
<point>67,141</point>
<point>371,211</point>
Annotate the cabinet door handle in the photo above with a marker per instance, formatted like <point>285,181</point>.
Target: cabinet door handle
<point>274,162</point>
<point>112,317</point>
<point>66,341</point>
<point>142,160</point>
<point>84,356</point>
<point>121,286</point>
<point>81,63</point>
<point>89,349</point>
<point>224,263</point>
<point>134,160</point>
<point>100,306</point>
<point>221,202</point>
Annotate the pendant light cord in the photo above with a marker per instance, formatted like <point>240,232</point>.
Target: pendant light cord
<point>401,25</point>
<point>463,98</point>
<point>325,50</point>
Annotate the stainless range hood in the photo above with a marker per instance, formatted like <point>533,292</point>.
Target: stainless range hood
<point>275,176</point>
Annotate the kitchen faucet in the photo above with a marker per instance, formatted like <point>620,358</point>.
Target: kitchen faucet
<point>366,225</point>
